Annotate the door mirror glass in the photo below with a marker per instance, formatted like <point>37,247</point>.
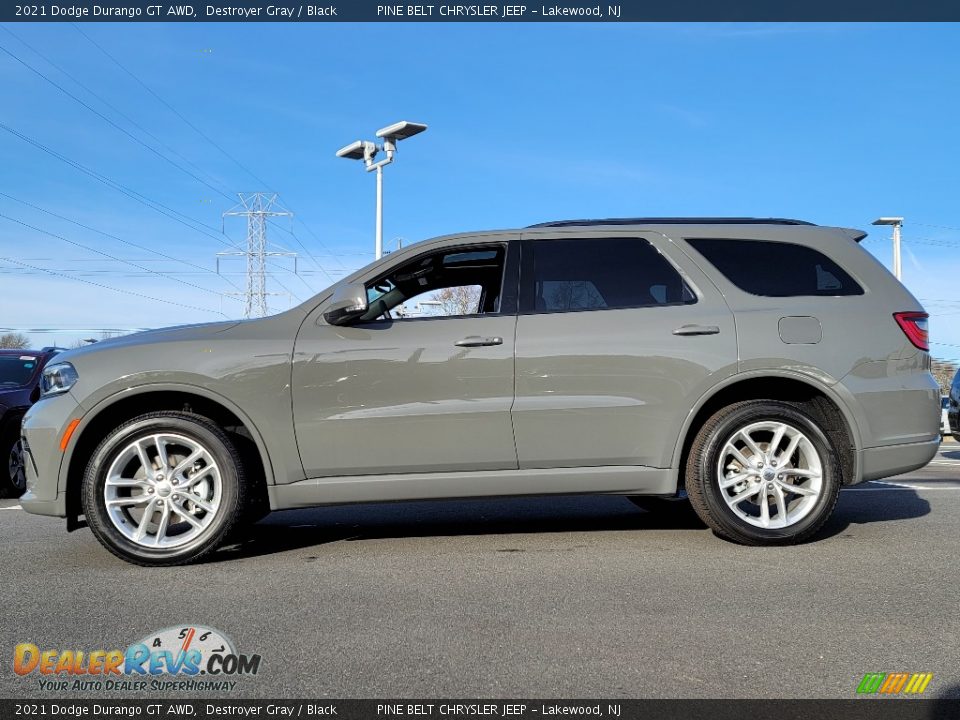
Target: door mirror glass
<point>348,303</point>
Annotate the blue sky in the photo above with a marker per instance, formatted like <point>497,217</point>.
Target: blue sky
<point>836,124</point>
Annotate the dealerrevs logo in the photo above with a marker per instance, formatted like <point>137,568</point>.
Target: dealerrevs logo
<point>183,652</point>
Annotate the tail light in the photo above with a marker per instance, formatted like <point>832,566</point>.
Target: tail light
<point>914,326</point>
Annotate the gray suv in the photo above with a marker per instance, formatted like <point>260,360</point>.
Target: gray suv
<point>754,366</point>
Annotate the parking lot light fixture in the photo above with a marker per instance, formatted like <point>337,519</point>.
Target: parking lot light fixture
<point>896,223</point>
<point>368,151</point>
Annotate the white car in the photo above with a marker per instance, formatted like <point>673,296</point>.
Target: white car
<point>944,419</point>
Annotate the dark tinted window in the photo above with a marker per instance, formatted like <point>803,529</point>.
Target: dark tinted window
<point>16,370</point>
<point>596,274</point>
<point>776,269</point>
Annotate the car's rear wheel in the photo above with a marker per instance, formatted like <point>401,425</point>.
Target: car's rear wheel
<point>164,489</point>
<point>763,472</point>
<point>13,477</point>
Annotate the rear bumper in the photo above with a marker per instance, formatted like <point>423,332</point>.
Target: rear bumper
<point>881,462</point>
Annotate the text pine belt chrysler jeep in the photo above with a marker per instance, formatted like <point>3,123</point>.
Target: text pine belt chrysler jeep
<point>754,366</point>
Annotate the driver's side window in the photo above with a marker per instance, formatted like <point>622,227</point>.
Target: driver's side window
<point>452,282</point>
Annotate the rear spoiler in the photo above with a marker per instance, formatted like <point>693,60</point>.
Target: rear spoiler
<point>855,235</point>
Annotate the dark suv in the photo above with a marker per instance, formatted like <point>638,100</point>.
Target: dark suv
<point>19,389</point>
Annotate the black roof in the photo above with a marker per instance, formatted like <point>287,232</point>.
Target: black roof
<point>674,221</point>
<point>28,351</point>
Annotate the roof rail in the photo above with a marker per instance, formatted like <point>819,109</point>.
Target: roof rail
<point>674,221</point>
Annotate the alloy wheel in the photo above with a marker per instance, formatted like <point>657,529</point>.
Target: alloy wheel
<point>770,474</point>
<point>163,491</point>
<point>16,467</point>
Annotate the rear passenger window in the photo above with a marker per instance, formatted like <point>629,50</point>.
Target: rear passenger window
<point>598,274</point>
<point>776,269</point>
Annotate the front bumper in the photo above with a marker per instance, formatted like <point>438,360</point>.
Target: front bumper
<point>43,426</point>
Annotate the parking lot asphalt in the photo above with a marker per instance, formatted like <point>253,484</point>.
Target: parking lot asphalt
<point>534,597</point>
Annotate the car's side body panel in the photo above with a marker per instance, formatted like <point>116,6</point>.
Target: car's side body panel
<point>399,396</point>
<point>245,367</point>
<point>890,391</point>
<point>613,386</point>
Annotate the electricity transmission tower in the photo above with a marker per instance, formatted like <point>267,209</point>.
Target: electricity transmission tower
<point>257,207</point>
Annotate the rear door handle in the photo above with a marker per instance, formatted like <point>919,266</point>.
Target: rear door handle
<point>477,341</point>
<point>697,330</point>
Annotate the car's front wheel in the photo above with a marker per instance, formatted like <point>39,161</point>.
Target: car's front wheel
<point>163,489</point>
<point>763,472</point>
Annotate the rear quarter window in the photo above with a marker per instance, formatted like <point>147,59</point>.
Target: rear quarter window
<point>776,269</point>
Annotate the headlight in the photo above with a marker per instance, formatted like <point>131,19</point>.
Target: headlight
<point>58,379</point>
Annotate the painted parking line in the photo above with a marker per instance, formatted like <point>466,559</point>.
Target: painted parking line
<point>12,507</point>
<point>888,485</point>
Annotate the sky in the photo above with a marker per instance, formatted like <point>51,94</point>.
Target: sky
<point>138,136</point>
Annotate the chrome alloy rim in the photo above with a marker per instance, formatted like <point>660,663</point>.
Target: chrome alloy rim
<point>770,474</point>
<point>163,491</point>
<point>18,471</point>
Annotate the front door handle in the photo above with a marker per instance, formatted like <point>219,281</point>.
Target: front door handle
<point>697,330</point>
<point>477,341</point>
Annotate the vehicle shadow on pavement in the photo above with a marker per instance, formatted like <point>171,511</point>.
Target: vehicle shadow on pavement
<point>298,529</point>
<point>861,506</point>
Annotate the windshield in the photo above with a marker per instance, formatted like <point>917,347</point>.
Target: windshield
<point>16,370</point>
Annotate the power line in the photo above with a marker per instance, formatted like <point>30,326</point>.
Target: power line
<point>169,106</point>
<point>108,255</point>
<point>213,143</point>
<point>159,207</point>
<point>129,192</point>
<point>938,227</point>
<point>108,287</point>
<point>284,287</point>
<point>310,255</point>
<point>112,123</point>
<point>115,237</point>
<point>115,109</point>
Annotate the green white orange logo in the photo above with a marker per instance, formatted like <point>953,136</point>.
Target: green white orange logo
<point>894,683</point>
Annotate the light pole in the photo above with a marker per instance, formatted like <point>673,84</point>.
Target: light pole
<point>368,151</point>
<point>897,223</point>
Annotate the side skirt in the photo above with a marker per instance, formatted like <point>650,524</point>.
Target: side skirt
<point>616,480</point>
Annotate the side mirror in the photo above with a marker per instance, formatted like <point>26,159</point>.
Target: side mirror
<point>347,304</point>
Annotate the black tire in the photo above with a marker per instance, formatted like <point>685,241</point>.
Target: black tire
<point>12,469</point>
<point>196,428</point>
<point>702,482</point>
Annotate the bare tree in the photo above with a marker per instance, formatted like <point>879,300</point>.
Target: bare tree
<point>944,371</point>
<point>15,341</point>
<point>461,300</point>
<point>104,335</point>
<point>574,295</point>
